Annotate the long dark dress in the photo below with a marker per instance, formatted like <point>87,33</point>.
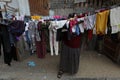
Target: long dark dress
<point>70,54</point>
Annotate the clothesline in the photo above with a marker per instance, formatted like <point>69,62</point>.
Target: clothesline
<point>58,17</point>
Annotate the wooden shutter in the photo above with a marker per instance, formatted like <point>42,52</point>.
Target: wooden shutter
<point>39,7</point>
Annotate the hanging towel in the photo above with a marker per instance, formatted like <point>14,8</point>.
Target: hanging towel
<point>101,22</point>
<point>115,16</point>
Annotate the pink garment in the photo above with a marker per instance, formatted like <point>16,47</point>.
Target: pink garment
<point>57,17</point>
<point>72,24</point>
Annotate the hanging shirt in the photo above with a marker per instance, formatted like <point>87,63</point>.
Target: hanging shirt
<point>115,16</point>
<point>91,21</point>
<point>17,27</point>
<point>101,22</point>
<point>60,24</point>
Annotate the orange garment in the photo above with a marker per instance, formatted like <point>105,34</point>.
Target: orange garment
<point>36,17</point>
<point>101,22</point>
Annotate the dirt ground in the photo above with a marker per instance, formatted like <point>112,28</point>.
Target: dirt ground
<point>92,65</point>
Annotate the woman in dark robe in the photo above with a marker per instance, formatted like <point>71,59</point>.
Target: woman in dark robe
<point>70,53</point>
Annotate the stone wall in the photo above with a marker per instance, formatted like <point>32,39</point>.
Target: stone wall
<point>64,7</point>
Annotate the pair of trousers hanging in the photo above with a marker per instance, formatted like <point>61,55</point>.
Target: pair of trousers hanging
<point>5,42</point>
<point>53,43</point>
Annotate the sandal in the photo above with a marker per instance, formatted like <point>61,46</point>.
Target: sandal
<point>60,73</point>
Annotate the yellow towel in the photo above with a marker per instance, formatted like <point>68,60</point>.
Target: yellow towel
<point>101,22</point>
<point>36,17</point>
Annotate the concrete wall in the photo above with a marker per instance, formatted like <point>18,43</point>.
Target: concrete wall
<point>63,11</point>
<point>60,8</point>
<point>13,4</point>
<point>22,5</point>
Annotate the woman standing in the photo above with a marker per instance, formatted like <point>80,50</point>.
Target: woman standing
<point>70,54</point>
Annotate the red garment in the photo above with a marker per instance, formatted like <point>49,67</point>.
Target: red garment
<point>72,24</point>
<point>90,34</point>
<point>74,42</point>
<point>41,46</point>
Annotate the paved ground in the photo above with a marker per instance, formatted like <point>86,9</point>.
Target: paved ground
<point>92,65</point>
